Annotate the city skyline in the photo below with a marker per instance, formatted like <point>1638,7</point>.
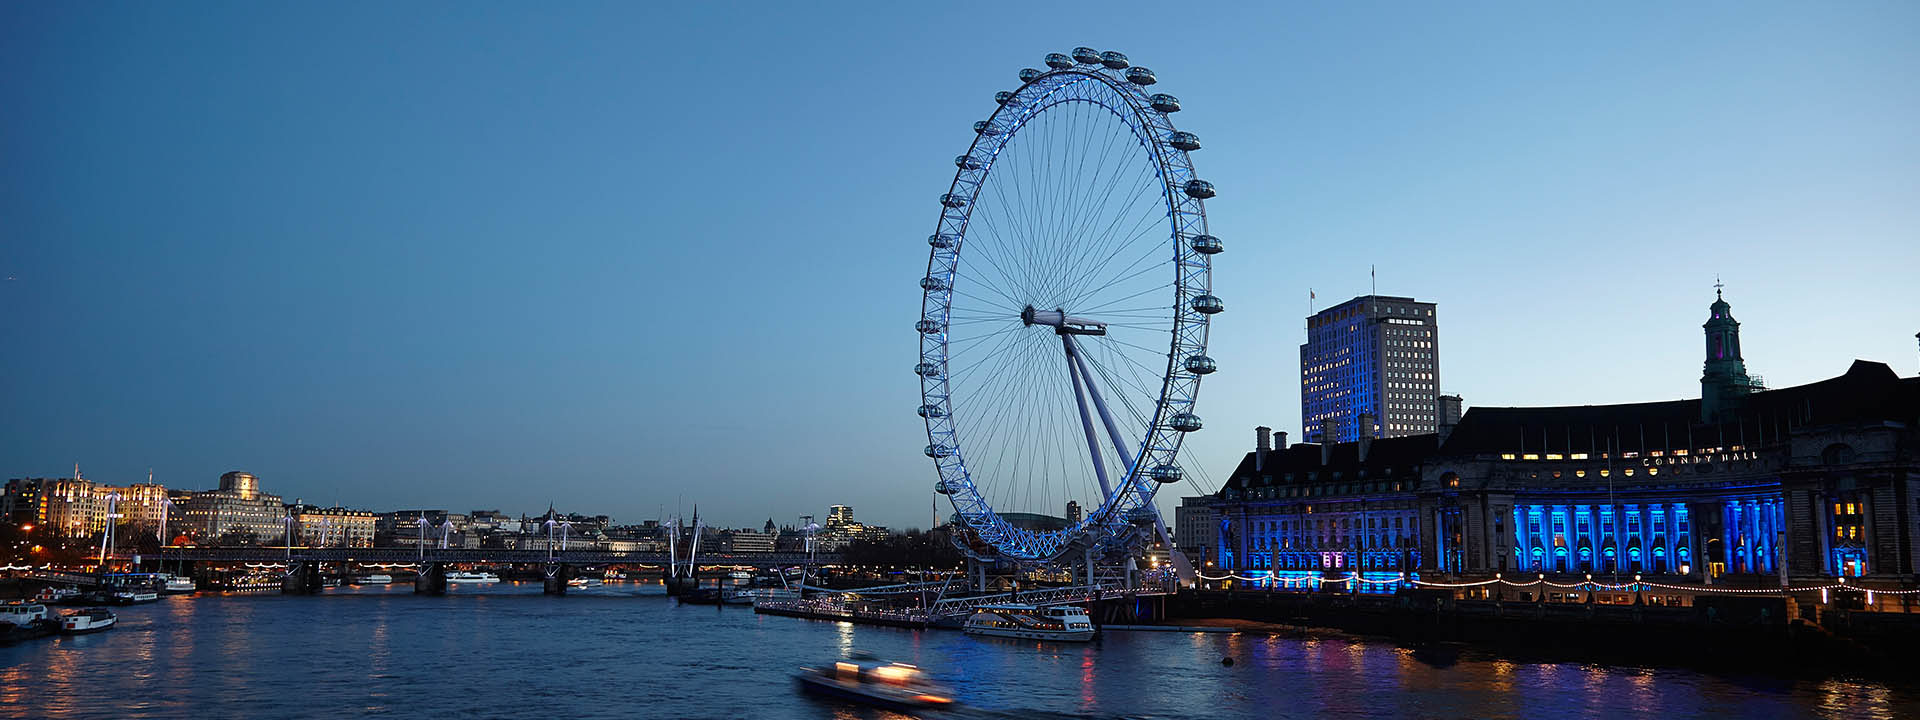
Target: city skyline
<point>391,259</point>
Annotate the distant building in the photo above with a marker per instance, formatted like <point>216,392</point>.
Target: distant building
<point>1374,355</point>
<point>749,541</point>
<point>1073,512</point>
<point>332,527</point>
<point>1195,527</point>
<point>236,513</point>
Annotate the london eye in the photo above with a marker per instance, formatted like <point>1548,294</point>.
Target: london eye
<point>1063,326</point>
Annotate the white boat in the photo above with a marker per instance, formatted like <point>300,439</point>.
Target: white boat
<point>740,575</point>
<point>54,594</point>
<point>133,597</point>
<point>86,621</point>
<point>467,578</point>
<point>22,613</point>
<point>581,582</point>
<point>176,585</point>
<point>1060,623</point>
<point>375,579</point>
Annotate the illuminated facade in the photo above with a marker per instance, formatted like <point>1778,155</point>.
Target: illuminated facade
<point>332,527</point>
<point>236,512</point>
<point>1375,356</point>
<point>1747,488</point>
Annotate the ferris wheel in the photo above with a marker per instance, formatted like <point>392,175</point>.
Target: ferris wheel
<point>1063,330</point>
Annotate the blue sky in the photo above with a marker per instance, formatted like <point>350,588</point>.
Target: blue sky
<point>631,256</point>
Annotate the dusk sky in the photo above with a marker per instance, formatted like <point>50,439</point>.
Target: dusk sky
<point>630,257</point>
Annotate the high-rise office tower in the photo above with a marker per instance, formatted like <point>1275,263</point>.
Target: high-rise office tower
<point>1374,355</point>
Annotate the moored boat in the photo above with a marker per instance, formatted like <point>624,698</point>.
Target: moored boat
<point>1027,622</point>
<point>893,685</point>
<point>89,620</point>
<point>133,597</point>
<point>22,613</point>
<point>467,578</point>
<point>583,582</point>
<point>58,595</point>
<point>374,579</point>
<point>176,585</point>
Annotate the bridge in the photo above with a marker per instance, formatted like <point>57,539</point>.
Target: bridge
<point>302,565</point>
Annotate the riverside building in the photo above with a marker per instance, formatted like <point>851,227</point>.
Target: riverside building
<point>1376,356</point>
<point>1743,487</point>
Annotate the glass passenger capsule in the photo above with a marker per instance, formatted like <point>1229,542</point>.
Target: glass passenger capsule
<point>1208,305</point>
<point>1183,140</point>
<point>941,487</point>
<point>1059,61</point>
<point>959,201</point>
<point>932,411</point>
<point>1199,189</point>
<point>985,128</point>
<point>1141,516</point>
<point>932,284</point>
<point>928,326</point>
<point>1165,473</point>
<point>938,451</point>
<point>1165,103</point>
<point>1184,422</point>
<point>1141,76</point>
<point>1200,364</point>
<point>1086,55</point>
<point>1002,97</point>
<point>927,370</point>
<point>1208,245</point>
<point>1113,59</point>
<point>1030,74</point>
<point>941,241</point>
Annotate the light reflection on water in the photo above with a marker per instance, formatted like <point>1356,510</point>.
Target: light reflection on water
<point>624,651</point>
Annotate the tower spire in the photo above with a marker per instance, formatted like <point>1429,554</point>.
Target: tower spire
<point>1723,378</point>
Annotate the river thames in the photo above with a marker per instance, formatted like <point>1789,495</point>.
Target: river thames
<point>628,651</point>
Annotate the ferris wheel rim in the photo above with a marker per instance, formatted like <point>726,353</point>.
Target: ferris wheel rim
<point>1161,438</point>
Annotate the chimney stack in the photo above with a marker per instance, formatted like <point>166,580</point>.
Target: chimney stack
<point>1447,410</point>
<point>1261,446</point>
<point>1280,440</point>
<point>1326,441</point>
<point>1366,435</point>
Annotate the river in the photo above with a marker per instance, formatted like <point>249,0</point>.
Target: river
<point>627,651</point>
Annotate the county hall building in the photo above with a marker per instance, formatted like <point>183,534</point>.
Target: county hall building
<point>1743,487</point>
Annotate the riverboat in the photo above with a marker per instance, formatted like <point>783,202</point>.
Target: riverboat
<point>467,578</point>
<point>892,685</point>
<point>374,579</point>
<point>176,585</point>
<point>1027,622</point>
<point>582,582</point>
<point>740,575</point>
<point>133,597</point>
<point>58,595</point>
<point>22,613</point>
<point>90,620</point>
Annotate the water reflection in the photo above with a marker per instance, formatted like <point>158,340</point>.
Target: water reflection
<point>627,651</point>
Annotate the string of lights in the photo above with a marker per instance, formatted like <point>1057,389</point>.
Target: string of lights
<point>1588,584</point>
